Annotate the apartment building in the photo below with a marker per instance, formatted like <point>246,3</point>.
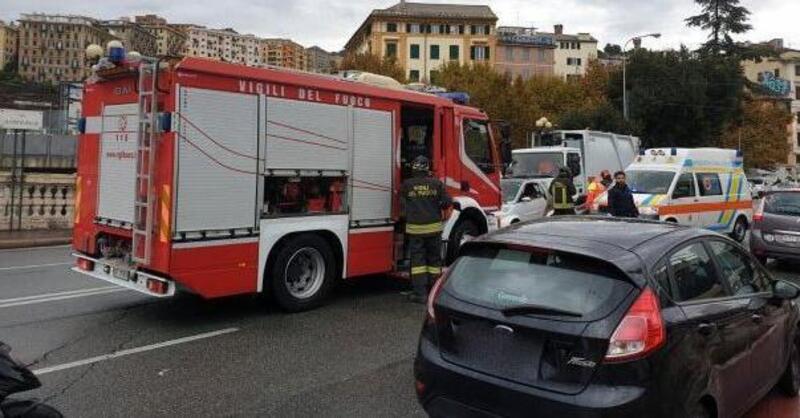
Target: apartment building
<point>52,47</point>
<point>170,40</point>
<point>422,37</point>
<point>134,37</point>
<point>283,53</point>
<point>572,53</point>
<point>8,43</point>
<point>779,77</point>
<point>224,45</point>
<point>523,52</point>
<point>319,60</point>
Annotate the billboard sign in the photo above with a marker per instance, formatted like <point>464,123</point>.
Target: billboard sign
<point>29,120</point>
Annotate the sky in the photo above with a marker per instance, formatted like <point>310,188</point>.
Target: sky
<point>330,24</point>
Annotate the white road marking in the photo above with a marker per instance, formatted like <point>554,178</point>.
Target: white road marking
<point>50,297</point>
<point>34,266</point>
<point>43,247</point>
<point>130,351</point>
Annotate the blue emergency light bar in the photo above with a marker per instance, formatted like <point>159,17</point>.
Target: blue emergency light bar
<point>456,96</point>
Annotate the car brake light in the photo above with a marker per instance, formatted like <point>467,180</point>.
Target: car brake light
<point>758,217</point>
<point>640,332</point>
<point>435,291</point>
<point>84,264</point>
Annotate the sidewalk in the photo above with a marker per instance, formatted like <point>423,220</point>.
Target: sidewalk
<point>24,239</point>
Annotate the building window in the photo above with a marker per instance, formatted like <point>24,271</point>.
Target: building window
<point>391,27</point>
<point>574,61</point>
<point>391,49</point>
<point>453,52</point>
<point>434,52</point>
<point>479,29</point>
<point>413,75</point>
<point>797,92</point>
<point>460,29</point>
<point>777,72</point>
<point>412,28</point>
<point>414,52</point>
<point>433,29</point>
<point>798,140</point>
<point>479,53</point>
<point>578,44</point>
<point>509,53</point>
<point>797,70</point>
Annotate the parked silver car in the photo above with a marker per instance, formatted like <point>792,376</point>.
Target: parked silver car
<point>523,199</point>
<point>776,226</point>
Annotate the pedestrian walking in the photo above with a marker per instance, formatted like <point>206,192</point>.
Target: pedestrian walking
<point>595,189</point>
<point>423,199</point>
<point>561,191</point>
<point>620,198</point>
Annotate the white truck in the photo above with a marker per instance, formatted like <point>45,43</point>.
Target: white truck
<point>586,153</point>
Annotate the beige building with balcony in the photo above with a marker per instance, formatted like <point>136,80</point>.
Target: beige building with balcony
<point>223,45</point>
<point>573,53</point>
<point>320,60</point>
<point>523,52</point>
<point>422,37</point>
<point>8,43</point>
<point>780,77</point>
<point>134,37</point>
<point>170,41</point>
<point>52,47</point>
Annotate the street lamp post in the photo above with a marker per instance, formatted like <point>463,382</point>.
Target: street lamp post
<point>624,75</point>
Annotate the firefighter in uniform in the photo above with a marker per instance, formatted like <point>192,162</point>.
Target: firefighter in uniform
<point>423,198</point>
<point>561,191</point>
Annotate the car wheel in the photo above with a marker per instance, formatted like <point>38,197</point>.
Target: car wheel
<point>463,231</point>
<point>790,380</point>
<point>739,229</point>
<point>302,275</point>
<point>672,220</point>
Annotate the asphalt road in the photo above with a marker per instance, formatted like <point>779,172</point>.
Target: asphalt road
<point>237,356</point>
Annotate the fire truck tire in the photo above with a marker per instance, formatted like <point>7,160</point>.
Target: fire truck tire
<point>463,231</point>
<point>302,275</point>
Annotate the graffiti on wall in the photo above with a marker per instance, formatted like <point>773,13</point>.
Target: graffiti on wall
<point>775,85</point>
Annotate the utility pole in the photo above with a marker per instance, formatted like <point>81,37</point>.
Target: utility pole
<point>636,40</point>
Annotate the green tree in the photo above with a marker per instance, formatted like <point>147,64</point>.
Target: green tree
<point>721,18</point>
<point>612,49</point>
<point>372,63</point>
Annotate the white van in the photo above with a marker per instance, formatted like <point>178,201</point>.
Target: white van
<point>703,187</point>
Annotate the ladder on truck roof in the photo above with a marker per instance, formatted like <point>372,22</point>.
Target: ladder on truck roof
<point>145,162</point>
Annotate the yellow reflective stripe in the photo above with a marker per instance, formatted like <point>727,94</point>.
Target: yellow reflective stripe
<point>419,270</point>
<point>77,205</point>
<point>424,228</point>
<point>434,270</point>
<point>163,220</point>
<point>563,203</point>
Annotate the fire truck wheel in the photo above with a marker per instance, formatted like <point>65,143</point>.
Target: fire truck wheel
<point>462,232</point>
<point>303,273</point>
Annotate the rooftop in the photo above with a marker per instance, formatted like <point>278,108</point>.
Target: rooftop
<point>460,11</point>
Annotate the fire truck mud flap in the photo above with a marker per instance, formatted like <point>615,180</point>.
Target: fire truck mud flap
<point>114,272</point>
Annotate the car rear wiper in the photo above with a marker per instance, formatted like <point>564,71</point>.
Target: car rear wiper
<point>538,309</point>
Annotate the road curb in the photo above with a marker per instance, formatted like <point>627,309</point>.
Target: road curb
<point>33,242</point>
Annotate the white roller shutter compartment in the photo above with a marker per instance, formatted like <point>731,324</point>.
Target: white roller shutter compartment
<point>217,160</point>
<point>120,126</point>
<point>306,136</point>
<point>372,165</point>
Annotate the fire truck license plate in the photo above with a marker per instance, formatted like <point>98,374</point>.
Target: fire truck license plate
<point>121,274</point>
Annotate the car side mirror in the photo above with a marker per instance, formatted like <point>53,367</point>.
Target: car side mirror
<point>784,290</point>
<point>525,199</point>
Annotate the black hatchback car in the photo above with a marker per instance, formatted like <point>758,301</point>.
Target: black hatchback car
<point>596,317</point>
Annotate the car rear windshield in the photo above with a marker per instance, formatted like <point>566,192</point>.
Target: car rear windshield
<point>499,277</point>
<point>536,164</point>
<point>787,203</point>
<point>650,182</point>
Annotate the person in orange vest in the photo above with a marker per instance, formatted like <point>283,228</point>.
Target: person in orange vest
<point>596,188</point>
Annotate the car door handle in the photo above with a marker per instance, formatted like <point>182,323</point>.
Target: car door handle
<point>757,318</point>
<point>706,328</point>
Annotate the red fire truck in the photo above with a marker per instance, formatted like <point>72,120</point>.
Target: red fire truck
<point>221,179</point>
